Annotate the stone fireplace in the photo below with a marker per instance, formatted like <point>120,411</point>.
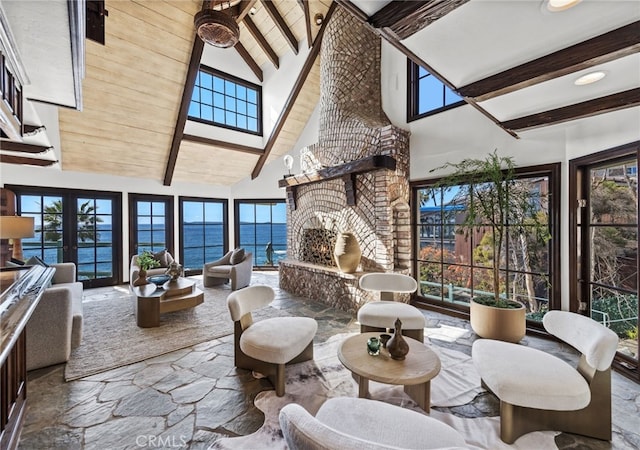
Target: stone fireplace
<point>335,194</point>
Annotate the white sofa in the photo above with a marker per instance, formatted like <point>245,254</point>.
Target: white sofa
<point>55,328</point>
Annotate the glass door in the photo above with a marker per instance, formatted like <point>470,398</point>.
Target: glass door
<point>75,226</point>
<point>151,223</point>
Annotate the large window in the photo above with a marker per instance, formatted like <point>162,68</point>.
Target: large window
<point>150,223</point>
<point>453,266</point>
<point>224,100</point>
<point>426,94</point>
<point>261,228</point>
<point>605,234</point>
<point>203,232</point>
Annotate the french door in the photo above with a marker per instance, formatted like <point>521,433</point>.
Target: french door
<point>606,238</point>
<point>150,223</point>
<point>83,227</point>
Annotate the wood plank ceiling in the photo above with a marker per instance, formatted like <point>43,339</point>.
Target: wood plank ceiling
<point>131,123</point>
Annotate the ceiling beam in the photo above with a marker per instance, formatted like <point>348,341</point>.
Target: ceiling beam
<point>262,42</point>
<point>304,4</point>
<point>609,103</point>
<point>392,39</point>
<point>222,144</point>
<point>187,92</point>
<point>11,159</point>
<point>293,95</point>
<point>12,146</point>
<point>253,65</point>
<point>281,24</point>
<point>403,19</point>
<point>598,50</point>
<point>244,8</point>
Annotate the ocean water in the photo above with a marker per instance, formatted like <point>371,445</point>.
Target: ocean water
<point>202,242</point>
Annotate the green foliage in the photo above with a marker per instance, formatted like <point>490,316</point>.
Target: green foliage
<point>618,309</point>
<point>146,260</point>
<point>494,198</point>
<point>85,217</point>
<point>498,302</point>
<point>633,334</point>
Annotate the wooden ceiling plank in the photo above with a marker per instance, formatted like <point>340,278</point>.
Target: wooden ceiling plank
<point>187,92</point>
<point>11,159</point>
<point>609,103</point>
<point>223,144</point>
<point>404,18</point>
<point>598,50</point>
<point>281,24</point>
<point>262,42</point>
<point>255,68</point>
<point>13,146</point>
<point>293,95</point>
<point>393,40</point>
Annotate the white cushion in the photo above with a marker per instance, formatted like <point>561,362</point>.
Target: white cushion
<point>388,282</point>
<point>219,270</point>
<point>278,340</point>
<point>383,314</point>
<point>357,424</point>
<point>529,377</point>
<point>597,342</point>
<point>249,299</point>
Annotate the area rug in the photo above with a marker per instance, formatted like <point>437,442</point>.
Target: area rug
<point>311,383</point>
<point>112,339</point>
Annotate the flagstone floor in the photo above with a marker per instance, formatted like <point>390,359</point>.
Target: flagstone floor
<point>191,397</point>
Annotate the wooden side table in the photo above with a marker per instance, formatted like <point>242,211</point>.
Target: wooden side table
<point>152,300</point>
<point>414,372</point>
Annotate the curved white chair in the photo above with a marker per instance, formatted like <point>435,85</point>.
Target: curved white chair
<point>539,391</point>
<point>347,423</point>
<point>381,315</point>
<point>268,345</point>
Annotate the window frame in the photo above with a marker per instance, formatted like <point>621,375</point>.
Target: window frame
<point>225,227</point>
<point>133,220</point>
<point>238,81</point>
<point>413,94</point>
<point>236,221</point>
<point>553,172</point>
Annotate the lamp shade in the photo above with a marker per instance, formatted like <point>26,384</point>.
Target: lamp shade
<point>16,227</point>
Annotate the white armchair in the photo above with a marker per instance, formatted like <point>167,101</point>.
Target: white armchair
<point>226,268</point>
<point>539,391</point>
<point>347,423</point>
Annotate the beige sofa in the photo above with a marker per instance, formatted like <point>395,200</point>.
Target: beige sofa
<point>221,270</point>
<point>55,328</point>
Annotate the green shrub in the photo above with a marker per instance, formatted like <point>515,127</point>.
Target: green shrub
<point>622,313</point>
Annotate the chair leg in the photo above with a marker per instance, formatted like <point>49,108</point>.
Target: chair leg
<point>593,421</point>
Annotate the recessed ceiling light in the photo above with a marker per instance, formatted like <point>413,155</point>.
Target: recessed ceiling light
<point>561,5</point>
<point>589,78</point>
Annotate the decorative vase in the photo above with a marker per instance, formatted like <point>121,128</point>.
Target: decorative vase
<point>142,278</point>
<point>347,252</point>
<point>397,346</point>
<point>174,271</point>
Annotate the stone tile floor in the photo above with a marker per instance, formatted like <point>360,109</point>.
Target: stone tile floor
<point>191,397</point>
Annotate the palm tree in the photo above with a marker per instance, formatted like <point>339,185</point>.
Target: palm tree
<point>85,218</point>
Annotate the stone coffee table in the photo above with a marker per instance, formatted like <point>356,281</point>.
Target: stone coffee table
<point>414,372</point>
<point>173,296</point>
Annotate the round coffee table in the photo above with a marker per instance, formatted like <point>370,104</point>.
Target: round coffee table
<point>414,372</point>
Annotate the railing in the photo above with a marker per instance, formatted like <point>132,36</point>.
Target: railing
<point>453,290</point>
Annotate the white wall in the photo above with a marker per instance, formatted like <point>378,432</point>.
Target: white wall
<point>463,132</point>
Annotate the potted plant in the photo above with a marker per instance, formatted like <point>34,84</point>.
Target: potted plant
<point>495,202</point>
<point>145,261</point>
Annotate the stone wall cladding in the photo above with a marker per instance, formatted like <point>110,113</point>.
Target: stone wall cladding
<point>353,126</point>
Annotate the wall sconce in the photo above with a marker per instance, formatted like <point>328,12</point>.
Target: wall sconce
<point>318,19</point>
<point>288,164</point>
<point>15,228</point>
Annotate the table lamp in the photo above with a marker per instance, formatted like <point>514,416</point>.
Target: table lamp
<point>15,228</point>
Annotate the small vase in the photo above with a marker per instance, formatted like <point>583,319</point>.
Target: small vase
<point>142,278</point>
<point>347,252</point>
<point>397,346</point>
